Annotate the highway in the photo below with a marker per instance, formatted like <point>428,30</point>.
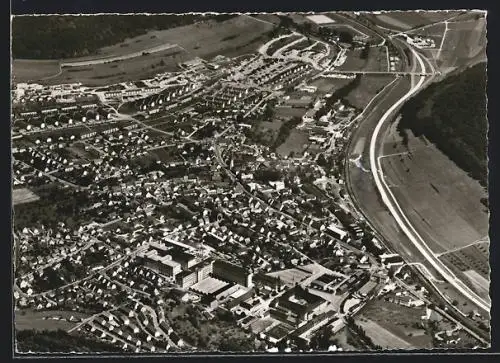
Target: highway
<point>367,199</point>
<point>391,203</point>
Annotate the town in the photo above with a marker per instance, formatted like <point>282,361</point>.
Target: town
<point>174,214</point>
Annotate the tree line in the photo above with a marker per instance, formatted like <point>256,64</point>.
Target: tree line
<point>56,37</point>
<point>59,341</point>
<point>452,114</point>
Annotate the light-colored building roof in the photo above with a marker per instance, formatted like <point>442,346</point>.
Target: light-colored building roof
<point>320,19</point>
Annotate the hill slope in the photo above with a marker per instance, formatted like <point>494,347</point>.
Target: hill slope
<point>452,114</point>
<point>55,37</point>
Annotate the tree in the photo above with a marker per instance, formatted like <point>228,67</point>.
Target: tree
<point>458,126</point>
<point>365,52</point>
<point>307,28</point>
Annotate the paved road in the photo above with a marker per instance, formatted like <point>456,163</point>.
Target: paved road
<point>367,199</point>
<point>395,209</point>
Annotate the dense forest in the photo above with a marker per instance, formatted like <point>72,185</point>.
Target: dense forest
<point>56,37</point>
<point>452,114</point>
<point>59,341</point>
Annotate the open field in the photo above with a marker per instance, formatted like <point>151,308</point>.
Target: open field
<point>369,86</point>
<point>271,18</point>
<point>443,204</point>
<point>405,20</point>
<point>296,142</point>
<point>376,60</point>
<point>24,70</point>
<point>394,325</point>
<point>329,85</point>
<point>117,58</point>
<point>464,42</point>
<point>440,199</point>
<point>124,70</point>
<point>381,336</point>
<point>206,39</point>
<point>203,39</point>
<point>479,282</point>
<point>261,324</point>
<point>471,257</point>
<point>290,276</point>
<point>289,112</point>
<point>470,265</point>
<point>151,41</point>
<point>462,303</point>
<point>35,320</point>
<point>23,195</point>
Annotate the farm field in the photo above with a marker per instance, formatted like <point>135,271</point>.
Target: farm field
<point>470,258</point>
<point>375,62</point>
<point>440,199</point>
<point>121,71</point>
<point>368,88</point>
<point>206,39</point>
<point>271,18</point>
<point>465,42</point>
<point>480,284</point>
<point>462,303</point>
<point>23,195</point>
<point>35,320</point>
<point>405,20</point>
<point>394,326</point>
<point>203,39</point>
<point>299,18</point>
<point>354,31</point>
<point>435,31</point>
<point>25,70</point>
<point>381,336</point>
<point>469,264</point>
<point>150,41</point>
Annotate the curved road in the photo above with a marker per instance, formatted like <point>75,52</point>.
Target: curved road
<point>391,203</point>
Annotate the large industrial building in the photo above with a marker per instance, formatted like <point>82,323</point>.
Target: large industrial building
<point>233,273</point>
